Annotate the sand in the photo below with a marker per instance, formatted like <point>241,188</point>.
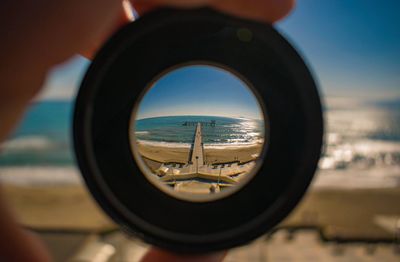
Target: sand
<point>337,211</point>
<point>213,155</point>
<point>344,214</point>
<point>66,208</point>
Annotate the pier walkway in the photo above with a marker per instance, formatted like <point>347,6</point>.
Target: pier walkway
<point>197,150</point>
<point>196,168</point>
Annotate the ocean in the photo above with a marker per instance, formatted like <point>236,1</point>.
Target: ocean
<point>360,134</point>
<point>43,137</point>
<point>178,131</point>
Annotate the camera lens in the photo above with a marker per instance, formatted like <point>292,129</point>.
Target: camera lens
<point>198,132</point>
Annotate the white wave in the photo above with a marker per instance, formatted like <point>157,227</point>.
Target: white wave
<point>210,146</point>
<point>376,146</point>
<point>27,143</point>
<point>253,134</point>
<point>359,153</point>
<point>142,132</point>
<point>40,176</point>
<point>164,144</point>
<point>234,144</point>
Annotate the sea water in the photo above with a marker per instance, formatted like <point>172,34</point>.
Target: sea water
<point>360,134</point>
<point>178,131</point>
<point>43,137</point>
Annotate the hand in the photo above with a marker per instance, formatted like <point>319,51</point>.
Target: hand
<point>156,255</point>
<point>36,35</point>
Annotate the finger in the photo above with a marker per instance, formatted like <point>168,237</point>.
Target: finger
<point>126,16</point>
<point>155,255</point>
<point>263,10</point>
<point>144,6</point>
<point>39,34</point>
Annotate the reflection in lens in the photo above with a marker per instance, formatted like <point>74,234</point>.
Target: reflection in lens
<point>199,131</point>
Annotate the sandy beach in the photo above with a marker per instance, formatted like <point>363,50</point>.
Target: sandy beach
<point>213,155</point>
<point>330,204</point>
<point>341,205</point>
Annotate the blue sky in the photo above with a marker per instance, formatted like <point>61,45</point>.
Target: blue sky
<point>199,90</point>
<point>352,47</point>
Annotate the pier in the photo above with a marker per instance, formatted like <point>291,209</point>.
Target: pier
<point>211,123</point>
<point>192,175</point>
<point>196,167</point>
<point>197,150</point>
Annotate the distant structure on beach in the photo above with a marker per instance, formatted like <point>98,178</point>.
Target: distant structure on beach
<point>211,123</point>
<point>196,176</point>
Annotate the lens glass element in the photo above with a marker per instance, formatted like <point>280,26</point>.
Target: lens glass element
<point>198,132</point>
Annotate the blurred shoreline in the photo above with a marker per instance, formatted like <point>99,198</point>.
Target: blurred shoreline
<point>357,184</point>
<point>341,204</point>
<point>221,154</point>
<point>49,176</point>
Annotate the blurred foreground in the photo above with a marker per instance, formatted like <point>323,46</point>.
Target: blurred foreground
<point>342,218</point>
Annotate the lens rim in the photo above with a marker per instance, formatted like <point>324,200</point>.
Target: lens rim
<point>295,133</point>
<point>196,197</point>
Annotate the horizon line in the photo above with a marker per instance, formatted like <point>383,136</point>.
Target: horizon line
<point>240,117</point>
